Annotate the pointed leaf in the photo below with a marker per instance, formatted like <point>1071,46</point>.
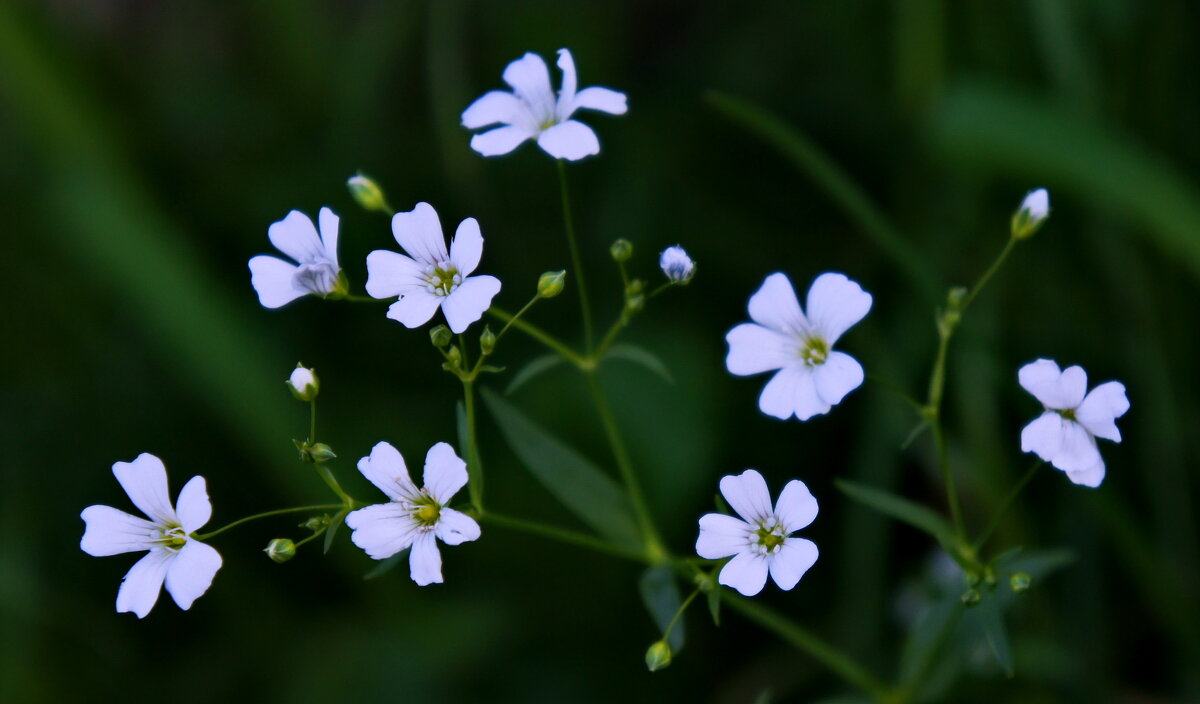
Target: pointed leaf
<point>333,528</point>
<point>532,370</point>
<point>642,356</point>
<point>991,619</point>
<point>660,594</point>
<point>902,510</point>
<point>714,606</point>
<point>385,565</point>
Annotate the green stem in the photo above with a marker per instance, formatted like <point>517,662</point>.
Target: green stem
<point>266,514</point>
<point>611,336</point>
<point>312,420</point>
<point>514,319</point>
<point>818,649</point>
<point>352,298</point>
<point>474,464</point>
<point>576,262</point>
<point>541,336</point>
<point>562,535</point>
<point>679,613</point>
<point>987,275</point>
<point>332,482</point>
<point>1007,503</point>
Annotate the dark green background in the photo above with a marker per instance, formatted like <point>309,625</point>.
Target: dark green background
<point>145,147</point>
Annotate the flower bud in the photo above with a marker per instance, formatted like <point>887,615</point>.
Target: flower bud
<point>658,656</point>
<point>1020,582</point>
<point>320,452</point>
<point>677,265</point>
<point>621,250</point>
<point>367,193</point>
<point>971,597</point>
<point>634,288</point>
<point>280,550</point>
<point>317,523</point>
<point>956,296</point>
<point>635,303</point>
<point>303,383</point>
<point>454,355</point>
<point>487,340</point>
<point>1033,212</point>
<point>551,283</point>
<point>440,336</point>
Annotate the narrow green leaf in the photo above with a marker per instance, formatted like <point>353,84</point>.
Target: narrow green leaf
<point>574,480</point>
<point>385,565</point>
<point>714,606</point>
<point>901,509</point>
<point>914,433</point>
<point>533,369</point>
<point>661,596</point>
<point>642,356</point>
<point>333,529</point>
<point>991,619</point>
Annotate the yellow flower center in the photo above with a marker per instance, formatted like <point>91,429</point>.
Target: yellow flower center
<point>814,351</point>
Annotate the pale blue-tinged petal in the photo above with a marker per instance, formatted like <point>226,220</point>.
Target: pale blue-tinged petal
<point>601,99</point>
<point>272,279</point>
<point>774,305</point>
<point>1091,476</point>
<point>746,572</point>
<point>191,573</point>
<point>722,536</point>
<point>747,494</point>
<point>142,583</point>
<point>419,232</point>
<point>467,246</point>
<point>1100,409</point>
<point>570,140</point>
<point>455,528</point>
<point>530,80</point>
<point>329,234</point>
<point>834,304</point>
<point>1056,390</point>
<point>501,140</point>
<point>1078,450</point>
<point>382,530</point>
<point>468,301</point>
<point>792,391</point>
<point>385,468</point>
<point>789,563</point>
<point>145,481</point>
<point>296,236</point>
<point>1043,436</point>
<point>796,506</point>
<point>570,82</point>
<point>445,473</point>
<point>837,376</point>
<point>193,507</point>
<point>492,107</point>
<point>393,274</point>
<point>754,349</point>
<point>415,308</point>
<point>110,531</point>
<point>425,561</point>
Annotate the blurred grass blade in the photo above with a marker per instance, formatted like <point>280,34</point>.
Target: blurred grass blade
<point>901,509</point>
<point>643,357</point>
<point>810,160</point>
<point>661,596</point>
<point>385,565</point>
<point>532,370</point>
<point>580,485</point>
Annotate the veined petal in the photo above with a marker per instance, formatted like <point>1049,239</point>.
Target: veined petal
<point>722,536</point>
<point>382,530</point>
<point>570,82</point>
<point>1056,390</point>
<point>796,506</point>
<point>393,274</point>
<point>530,80</point>
<point>754,349</point>
<point>746,572</point>
<point>837,376</point>
<point>774,305</point>
<point>145,480</point>
<point>747,494</point>
<point>1101,407</point>
<point>191,573</point>
<point>419,232</point>
<point>1043,436</point>
<point>110,531</point>
<point>834,304</point>
<point>385,468</point>
<point>271,278</point>
<point>1078,450</point>
<point>467,246</point>
<point>193,508</point>
<point>296,237</point>
<point>445,473</point>
<point>425,562</point>
<point>329,234</point>
<point>792,391</point>
<point>468,302</point>
<point>571,140</point>
<point>499,141</point>
<point>789,563</point>
<point>1089,477</point>
<point>601,99</point>
<point>493,107</point>
<point>414,308</point>
<point>455,527</point>
<point>142,583</point>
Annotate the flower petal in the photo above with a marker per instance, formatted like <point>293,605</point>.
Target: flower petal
<point>468,301</point>
<point>382,530</point>
<point>414,308</point>
<point>1078,451</point>
<point>393,274</point>
<point>796,506</point>
<point>191,573</point>
<point>329,234</point>
<point>499,141</point>
<point>145,480</point>
<point>747,494</point>
<point>774,305</point>
<point>601,99</point>
<point>296,237</point>
<point>834,304</point>
<point>1101,407</point>
<point>493,107</point>
<point>839,375</point>
<point>425,562</point>
<point>1089,477</point>
<point>722,536</point>
<point>385,468</point>
<point>455,527</point>
<point>1056,390</point>
<point>110,531</point>
<point>746,572</point>
<point>754,349</point>
<point>571,140</point>
<point>530,80</point>
<point>570,82</point>
<point>789,563</point>
<point>271,278</point>
<point>193,508</point>
<point>792,391</point>
<point>445,473</point>
<point>1043,436</point>
<point>467,246</point>
<point>142,583</point>
<point>419,232</point>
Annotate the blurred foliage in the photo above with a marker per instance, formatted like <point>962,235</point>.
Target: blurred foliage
<point>146,146</point>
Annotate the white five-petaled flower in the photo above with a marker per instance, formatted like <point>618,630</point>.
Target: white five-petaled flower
<point>430,276</point>
<point>184,563</point>
<point>531,111</point>
<point>414,517</point>
<point>1065,434</point>
<point>761,540</point>
<point>280,282</point>
<point>676,264</point>
<point>812,377</point>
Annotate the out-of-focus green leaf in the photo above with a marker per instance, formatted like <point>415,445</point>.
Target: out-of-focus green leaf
<point>714,606</point>
<point>332,530</point>
<point>385,565</point>
<point>580,485</point>
<point>532,370</point>
<point>991,619</point>
<point>661,596</point>
<point>901,509</point>
<point>642,356</point>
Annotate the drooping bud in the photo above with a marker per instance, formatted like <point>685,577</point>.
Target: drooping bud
<point>367,193</point>
<point>658,656</point>
<point>621,250</point>
<point>303,383</point>
<point>551,283</point>
<point>440,336</point>
<point>1033,212</point>
<point>280,550</point>
<point>677,265</point>
<point>1020,582</point>
<point>487,340</point>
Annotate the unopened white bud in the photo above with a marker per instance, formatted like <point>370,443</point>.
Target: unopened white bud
<point>1033,212</point>
<point>303,383</point>
<point>677,265</point>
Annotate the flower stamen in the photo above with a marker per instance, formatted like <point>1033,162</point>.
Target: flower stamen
<point>814,352</point>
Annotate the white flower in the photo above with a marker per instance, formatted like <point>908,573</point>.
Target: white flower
<point>676,264</point>
<point>812,377</point>
<point>414,517</point>
<point>1065,434</point>
<point>303,383</point>
<point>280,282</point>
<point>186,564</point>
<point>1037,204</point>
<point>430,277</point>
<point>532,112</point>
<point>760,541</point>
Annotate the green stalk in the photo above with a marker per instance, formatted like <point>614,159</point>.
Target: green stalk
<point>562,535</point>
<point>576,261</point>
<point>1004,505</point>
<point>265,514</point>
<point>474,465</point>
<point>541,336</point>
